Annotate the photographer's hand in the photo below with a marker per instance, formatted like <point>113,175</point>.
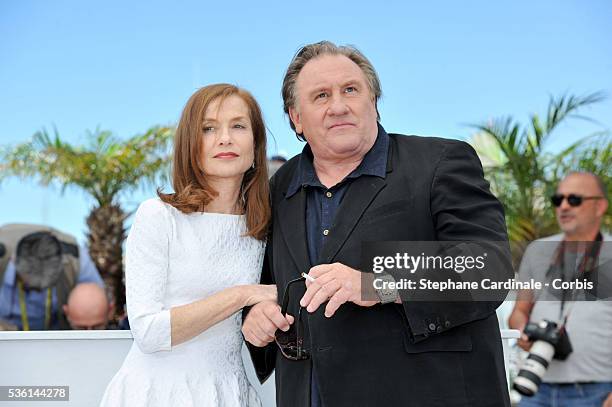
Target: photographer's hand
<point>525,343</point>
<point>518,319</point>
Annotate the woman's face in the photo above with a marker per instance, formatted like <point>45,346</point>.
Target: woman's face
<point>227,134</point>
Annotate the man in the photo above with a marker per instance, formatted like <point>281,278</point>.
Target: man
<point>39,267</point>
<point>88,307</point>
<point>274,163</point>
<point>586,375</point>
<point>353,182</point>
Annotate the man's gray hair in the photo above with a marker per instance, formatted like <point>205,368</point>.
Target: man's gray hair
<point>311,51</point>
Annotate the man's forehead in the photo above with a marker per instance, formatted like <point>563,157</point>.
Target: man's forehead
<point>579,183</point>
<point>329,69</point>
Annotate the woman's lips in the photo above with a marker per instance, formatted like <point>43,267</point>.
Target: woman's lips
<point>226,155</point>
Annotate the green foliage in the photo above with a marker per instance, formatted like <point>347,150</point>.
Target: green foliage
<point>523,174</point>
<point>103,168</point>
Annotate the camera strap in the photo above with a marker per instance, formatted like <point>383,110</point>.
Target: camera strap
<point>586,267</point>
<point>24,312</point>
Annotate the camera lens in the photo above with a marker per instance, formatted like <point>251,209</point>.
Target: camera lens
<point>529,377</point>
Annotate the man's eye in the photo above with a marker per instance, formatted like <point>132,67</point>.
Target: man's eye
<point>321,95</point>
<point>350,89</point>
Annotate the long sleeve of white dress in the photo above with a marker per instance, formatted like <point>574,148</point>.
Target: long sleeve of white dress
<point>146,273</point>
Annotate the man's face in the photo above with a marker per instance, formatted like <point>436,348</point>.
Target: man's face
<point>88,322</point>
<point>335,109</point>
<point>88,315</point>
<point>585,218</point>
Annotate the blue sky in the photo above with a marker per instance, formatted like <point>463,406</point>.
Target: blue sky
<point>125,66</point>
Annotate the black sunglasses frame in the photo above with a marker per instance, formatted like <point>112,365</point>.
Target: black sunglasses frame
<point>292,348</point>
<point>573,200</point>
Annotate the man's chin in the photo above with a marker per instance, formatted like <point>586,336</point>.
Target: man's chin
<point>567,228</point>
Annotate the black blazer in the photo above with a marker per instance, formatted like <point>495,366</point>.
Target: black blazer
<point>415,354</point>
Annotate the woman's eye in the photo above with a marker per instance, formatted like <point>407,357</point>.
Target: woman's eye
<point>239,126</point>
<point>208,129</point>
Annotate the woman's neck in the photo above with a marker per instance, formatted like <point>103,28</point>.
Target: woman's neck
<point>228,199</point>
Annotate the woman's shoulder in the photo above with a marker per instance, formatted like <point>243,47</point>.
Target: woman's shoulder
<point>153,207</point>
<point>154,211</point>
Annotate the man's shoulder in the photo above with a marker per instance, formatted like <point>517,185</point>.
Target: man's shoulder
<point>428,145</point>
<point>284,175</point>
<point>553,238</point>
<point>414,139</point>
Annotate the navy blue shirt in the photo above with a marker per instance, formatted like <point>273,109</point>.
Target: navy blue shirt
<point>322,203</point>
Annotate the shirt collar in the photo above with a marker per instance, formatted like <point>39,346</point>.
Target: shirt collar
<point>374,163</point>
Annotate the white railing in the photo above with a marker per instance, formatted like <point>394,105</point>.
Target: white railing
<point>87,360</point>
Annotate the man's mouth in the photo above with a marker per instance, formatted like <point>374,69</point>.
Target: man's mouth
<point>341,125</point>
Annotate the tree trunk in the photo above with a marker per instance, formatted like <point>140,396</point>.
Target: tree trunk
<point>105,238</point>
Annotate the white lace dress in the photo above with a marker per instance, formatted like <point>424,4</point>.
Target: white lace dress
<point>174,259</point>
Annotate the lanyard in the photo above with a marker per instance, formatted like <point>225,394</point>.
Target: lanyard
<point>584,266</point>
<point>24,311</point>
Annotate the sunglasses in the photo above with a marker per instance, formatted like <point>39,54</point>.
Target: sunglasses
<point>291,343</point>
<point>572,199</point>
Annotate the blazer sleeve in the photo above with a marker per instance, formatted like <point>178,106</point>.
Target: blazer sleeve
<point>462,209</point>
<point>263,358</point>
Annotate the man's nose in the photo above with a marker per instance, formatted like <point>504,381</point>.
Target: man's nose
<point>337,105</point>
<point>564,204</point>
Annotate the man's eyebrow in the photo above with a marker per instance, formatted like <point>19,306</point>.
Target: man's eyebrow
<point>324,86</point>
<point>353,81</point>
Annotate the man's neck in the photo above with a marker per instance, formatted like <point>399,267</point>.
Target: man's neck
<point>581,237</point>
<point>331,172</point>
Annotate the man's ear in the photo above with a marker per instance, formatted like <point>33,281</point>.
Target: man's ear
<point>294,115</point>
<point>66,310</point>
<point>602,207</point>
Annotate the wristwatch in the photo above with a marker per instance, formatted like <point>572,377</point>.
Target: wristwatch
<point>386,295</point>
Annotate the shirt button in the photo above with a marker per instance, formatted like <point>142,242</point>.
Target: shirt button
<point>432,327</point>
<point>326,232</point>
<point>328,194</point>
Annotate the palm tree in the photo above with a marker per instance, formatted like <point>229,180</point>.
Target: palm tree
<point>522,172</point>
<point>104,168</point>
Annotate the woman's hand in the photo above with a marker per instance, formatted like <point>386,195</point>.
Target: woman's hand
<point>256,293</point>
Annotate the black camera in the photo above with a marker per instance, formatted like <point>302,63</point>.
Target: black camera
<point>549,341</point>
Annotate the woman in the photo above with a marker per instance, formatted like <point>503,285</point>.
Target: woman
<point>193,259</point>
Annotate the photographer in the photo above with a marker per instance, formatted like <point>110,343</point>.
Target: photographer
<point>39,267</point>
<point>581,372</point>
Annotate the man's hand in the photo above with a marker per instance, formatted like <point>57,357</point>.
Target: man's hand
<point>262,321</point>
<point>608,401</point>
<point>524,342</point>
<point>334,282</point>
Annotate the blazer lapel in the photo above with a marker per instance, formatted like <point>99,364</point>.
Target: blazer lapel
<point>360,194</point>
<point>292,218</point>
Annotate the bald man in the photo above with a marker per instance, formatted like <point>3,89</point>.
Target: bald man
<point>88,307</point>
<point>585,377</point>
